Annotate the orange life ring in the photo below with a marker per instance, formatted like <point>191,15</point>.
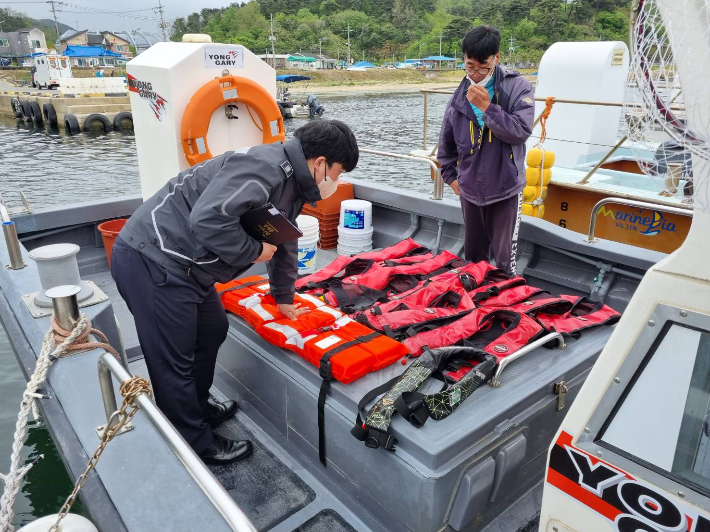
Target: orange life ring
<point>218,92</point>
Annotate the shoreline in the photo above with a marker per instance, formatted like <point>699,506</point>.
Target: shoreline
<point>381,87</point>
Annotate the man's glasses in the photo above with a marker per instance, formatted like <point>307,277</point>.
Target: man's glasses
<point>484,71</point>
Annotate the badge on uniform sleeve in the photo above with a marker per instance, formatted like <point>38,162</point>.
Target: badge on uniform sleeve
<point>287,168</point>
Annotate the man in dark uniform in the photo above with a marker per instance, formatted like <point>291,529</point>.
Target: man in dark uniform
<point>188,236</point>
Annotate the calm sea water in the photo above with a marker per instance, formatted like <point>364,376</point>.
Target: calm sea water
<point>53,169</point>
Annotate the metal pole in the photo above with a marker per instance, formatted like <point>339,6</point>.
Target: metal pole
<point>495,381</point>
<point>438,181</point>
<point>273,40</point>
<point>107,393</point>
<point>602,160</point>
<point>426,118</point>
<point>210,486</point>
<point>65,305</point>
<point>14,250</point>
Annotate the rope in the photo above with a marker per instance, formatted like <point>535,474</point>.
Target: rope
<point>549,102</point>
<point>57,343</point>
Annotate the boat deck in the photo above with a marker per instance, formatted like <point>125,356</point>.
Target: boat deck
<point>486,461</point>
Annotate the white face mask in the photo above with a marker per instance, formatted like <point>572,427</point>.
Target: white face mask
<point>327,187</point>
<point>485,80</point>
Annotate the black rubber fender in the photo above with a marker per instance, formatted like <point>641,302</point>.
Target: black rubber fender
<point>50,115</point>
<point>36,113</point>
<point>120,117</point>
<point>16,107</point>
<point>96,117</point>
<point>26,110</point>
<point>71,124</point>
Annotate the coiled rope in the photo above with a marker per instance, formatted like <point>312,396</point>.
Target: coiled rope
<point>57,343</point>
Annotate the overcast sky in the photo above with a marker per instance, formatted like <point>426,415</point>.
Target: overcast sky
<point>86,13</point>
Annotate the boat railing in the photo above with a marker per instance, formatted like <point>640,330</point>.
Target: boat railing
<point>631,203</point>
<point>438,192</point>
<point>449,91</point>
<point>235,518</point>
<point>12,241</point>
<point>551,337</point>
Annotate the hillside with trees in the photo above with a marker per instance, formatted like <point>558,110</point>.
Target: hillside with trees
<point>11,20</point>
<point>407,28</point>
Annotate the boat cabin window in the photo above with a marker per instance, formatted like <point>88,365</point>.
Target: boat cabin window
<point>663,418</point>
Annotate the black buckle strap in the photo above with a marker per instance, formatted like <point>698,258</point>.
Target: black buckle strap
<point>240,286</point>
<point>410,405</point>
<point>326,373</point>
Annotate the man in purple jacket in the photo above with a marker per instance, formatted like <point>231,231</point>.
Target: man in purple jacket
<point>482,149</point>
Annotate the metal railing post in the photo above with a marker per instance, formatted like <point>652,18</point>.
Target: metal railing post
<point>426,118</point>
<point>12,242</point>
<point>203,477</point>
<point>438,181</point>
<point>630,203</point>
<point>602,161</point>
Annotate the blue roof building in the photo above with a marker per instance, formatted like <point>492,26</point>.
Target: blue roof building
<point>92,56</point>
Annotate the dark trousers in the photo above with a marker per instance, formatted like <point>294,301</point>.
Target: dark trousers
<point>491,232</point>
<point>180,326</point>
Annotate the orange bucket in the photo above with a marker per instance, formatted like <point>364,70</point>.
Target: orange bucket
<point>109,231</point>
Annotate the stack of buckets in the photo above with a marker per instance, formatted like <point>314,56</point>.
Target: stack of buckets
<point>327,212</point>
<point>355,228</point>
<point>307,244</point>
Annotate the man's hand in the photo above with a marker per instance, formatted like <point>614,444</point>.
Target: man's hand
<point>292,311</point>
<point>455,187</point>
<point>479,97</point>
<point>266,253</point>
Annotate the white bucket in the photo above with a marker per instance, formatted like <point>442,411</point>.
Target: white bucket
<point>308,243</point>
<point>356,215</point>
<point>353,250</point>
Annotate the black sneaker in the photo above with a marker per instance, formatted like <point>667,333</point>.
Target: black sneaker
<point>216,413</point>
<point>223,451</point>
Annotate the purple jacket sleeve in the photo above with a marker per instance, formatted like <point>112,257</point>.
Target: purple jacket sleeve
<point>447,154</point>
<point>515,127</point>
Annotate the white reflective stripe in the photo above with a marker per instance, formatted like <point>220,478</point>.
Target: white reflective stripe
<point>261,312</point>
<point>342,322</point>
<point>287,331</point>
<point>155,223</point>
<point>229,94</point>
<point>308,297</point>
<point>299,341</point>
<point>201,146</point>
<point>239,190</point>
<point>274,124</point>
<point>335,313</point>
<point>250,301</point>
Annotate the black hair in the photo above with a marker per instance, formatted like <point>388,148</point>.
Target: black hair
<point>331,139</point>
<point>481,42</point>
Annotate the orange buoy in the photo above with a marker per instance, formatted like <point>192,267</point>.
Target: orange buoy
<point>222,91</point>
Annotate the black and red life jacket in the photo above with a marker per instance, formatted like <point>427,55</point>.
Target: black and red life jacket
<point>436,304</point>
<point>543,302</point>
<point>499,332</point>
<point>359,292</point>
<point>584,314</point>
<point>406,250</point>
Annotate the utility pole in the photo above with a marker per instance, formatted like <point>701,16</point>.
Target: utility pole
<point>348,43</point>
<point>273,40</point>
<point>510,50</point>
<point>162,25</point>
<point>420,51</point>
<point>440,37</point>
<point>57,44</point>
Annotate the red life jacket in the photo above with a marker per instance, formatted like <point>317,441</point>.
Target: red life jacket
<point>495,283</point>
<point>277,332</point>
<point>584,314</point>
<point>404,249</point>
<point>467,277</point>
<point>436,305</point>
<point>359,292</point>
<point>543,302</point>
<point>499,332</point>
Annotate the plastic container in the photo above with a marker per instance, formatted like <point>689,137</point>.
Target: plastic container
<point>356,215</point>
<point>349,250</point>
<point>109,231</point>
<point>307,244</point>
